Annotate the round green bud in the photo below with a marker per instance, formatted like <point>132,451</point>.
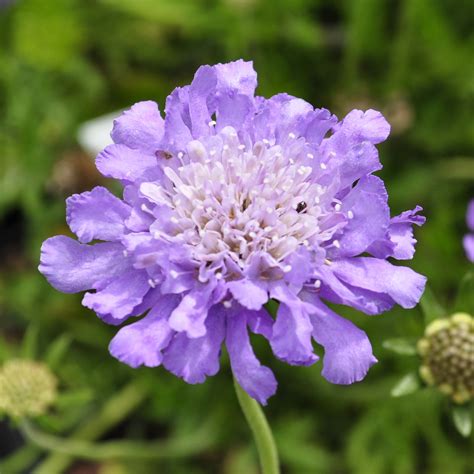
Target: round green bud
<point>447,350</point>
<point>27,388</point>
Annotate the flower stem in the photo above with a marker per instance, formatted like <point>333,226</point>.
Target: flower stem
<point>262,433</point>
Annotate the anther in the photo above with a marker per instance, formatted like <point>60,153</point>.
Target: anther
<point>301,207</point>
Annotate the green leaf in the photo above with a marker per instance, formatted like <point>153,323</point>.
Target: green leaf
<point>410,383</point>
<point>57,350</point>
<point>29,345</point>
<point>400,346</point>
<point>272,307</point>
<point>430,306</point>
<point>465,297</point>
<point>462,420</point>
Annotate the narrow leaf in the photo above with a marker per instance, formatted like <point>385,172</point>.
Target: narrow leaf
<point>465,297</point>
<point>29,345</point>
<point>57,350</point>
<point>462,420</point>
<point>400,346</point>
<point>430,306</point>
<point>410,383</point>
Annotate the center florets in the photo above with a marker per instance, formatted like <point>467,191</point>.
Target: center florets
<point>227,196</point>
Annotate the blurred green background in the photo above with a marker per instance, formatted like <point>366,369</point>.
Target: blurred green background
<point>63,62</point>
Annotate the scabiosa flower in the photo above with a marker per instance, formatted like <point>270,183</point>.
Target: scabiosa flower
<point>468,240</point>
<point>229,201</point>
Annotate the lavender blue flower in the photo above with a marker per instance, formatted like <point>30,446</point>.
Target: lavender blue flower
<point>228,202</point>
<point>468,240</point>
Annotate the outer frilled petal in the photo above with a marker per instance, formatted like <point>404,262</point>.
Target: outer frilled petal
<point>291,338</point>
<point>141,127</point>
<point>347,350</point>
<point>120,296</point>
<point>283,114</point>
<point>96,214</point>
<point>468,242</point>
<point>190,315</point>
<point>339,292</point>
<point>248,293</point>
<point>71,267</point>
<point>177,121</point>
<point>399,241</point>
<point>195,359</point>
<point>124,163</point>
<point>351,161</point>
<point>258,381</point>
<point>238,76</point>
<point>141,343</point>
<point>470,215</point>
<point>404,286</point>
<point>371,214</point>
<point>203,85</point>
<point>369,125</point>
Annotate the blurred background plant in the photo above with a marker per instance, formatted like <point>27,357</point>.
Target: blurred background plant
<point>63,62</point>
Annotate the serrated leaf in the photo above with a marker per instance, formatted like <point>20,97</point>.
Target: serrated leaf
<point>400,346</point>
<point>410,383</point>
<point>465,297</point>
<point>462,420</point>
<point>431,307</point>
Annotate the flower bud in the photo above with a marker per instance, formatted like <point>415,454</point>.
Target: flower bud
<point>27,388</point>
<point>447,350</point>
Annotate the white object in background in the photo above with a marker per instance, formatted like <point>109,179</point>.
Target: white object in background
<point>94,135</point>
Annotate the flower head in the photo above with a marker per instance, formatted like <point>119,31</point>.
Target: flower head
<point>229,201</point>
<point>469,238</point>
<point>27,388</point>
<point>448,356</point>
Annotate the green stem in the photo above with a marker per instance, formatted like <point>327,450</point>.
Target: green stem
<point>173,448</point>
<point>262,433</point>
<point>114,412</point>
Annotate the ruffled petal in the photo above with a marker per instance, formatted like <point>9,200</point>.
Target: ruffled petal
<point>347,349</point>
<point>339,292</point>
<point>122,162</point>
<point>350,161</point>
<point>204,83</point>
<point>142,343</point>
<point>257,380</point>
<point>468,242</point>
<point>401,284</point>
<point>399,242</point>
<point>291,338</point>
<point>177,121</point>
<point>71,267</point>
<point>470,215</point>
<point>141,127</point>
<point>369,125</point>
<point>237,76</point>
<point>190,315</point>
<point>96,214</point>
<point>368,203</point>
<point>195,359</point>
<point>260,322</point>
<point>120,296</point>
<point>248,293</point>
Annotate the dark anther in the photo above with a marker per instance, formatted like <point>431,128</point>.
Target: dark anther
<point>245,204</point>
<point>301,207</point>
<point>166,155</point>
